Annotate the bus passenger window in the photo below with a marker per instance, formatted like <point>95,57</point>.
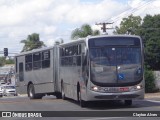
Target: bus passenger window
<point>21,73</point>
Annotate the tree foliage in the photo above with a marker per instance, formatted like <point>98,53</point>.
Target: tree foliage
<point>84,31</point>
<point>9,61</point>
<point>2,61</point>
<point>150,32</point>
<point>129,25</point>
<point>149,81</point>
<point>32,42</point>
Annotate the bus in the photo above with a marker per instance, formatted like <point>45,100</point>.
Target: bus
<point>102,68</point>
<point>94,68</point>
<point>36,73</point>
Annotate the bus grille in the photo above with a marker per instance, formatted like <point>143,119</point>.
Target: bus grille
<point>116,96</point>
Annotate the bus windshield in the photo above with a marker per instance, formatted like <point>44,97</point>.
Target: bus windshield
<point>116,65</point>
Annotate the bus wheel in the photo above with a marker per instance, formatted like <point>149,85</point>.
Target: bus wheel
<point>58,95</point>
<point>81,102</point>
<point>62,92</point>
<point>128,102</point>
<point>31,93</point>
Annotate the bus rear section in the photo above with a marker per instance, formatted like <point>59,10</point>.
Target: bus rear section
<point>36,73</point>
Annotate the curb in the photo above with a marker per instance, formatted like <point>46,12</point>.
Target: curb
<point>152,95</point>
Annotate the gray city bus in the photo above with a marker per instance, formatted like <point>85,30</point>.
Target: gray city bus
<point>102,68</point>
<point>94,68</point>
<point>35,73</point>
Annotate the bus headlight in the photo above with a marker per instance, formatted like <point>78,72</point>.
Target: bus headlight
<point>137,87</point>
<point>94,88</point>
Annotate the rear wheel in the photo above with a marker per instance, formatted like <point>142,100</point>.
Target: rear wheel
<point>128,102</point>
<point>31,93</point>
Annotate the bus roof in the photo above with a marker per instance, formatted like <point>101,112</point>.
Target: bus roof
<point>118,35</point>
<point>98,36</point>
<point>74,41</point>
<point>34,50</point>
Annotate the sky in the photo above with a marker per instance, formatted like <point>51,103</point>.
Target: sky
<point>56,19</point>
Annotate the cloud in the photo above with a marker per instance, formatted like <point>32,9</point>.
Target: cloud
<point>91,12</point>
<point>55,18</point>
<point>135,3</point>
<point>18,12</point>
<point>50,42</point>
<point>49,30</point>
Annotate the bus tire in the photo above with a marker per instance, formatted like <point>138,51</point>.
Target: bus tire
<point>82,103</point>
<point>62,91</point>
<point>128,102</point>
<point>31,93</point>
<point>58,95</point>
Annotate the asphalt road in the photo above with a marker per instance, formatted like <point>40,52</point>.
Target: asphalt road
<point>56,106</point>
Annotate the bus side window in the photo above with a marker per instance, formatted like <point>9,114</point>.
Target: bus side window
<point>37,60</point>
<point>21,73</point>
<point>45,59</point>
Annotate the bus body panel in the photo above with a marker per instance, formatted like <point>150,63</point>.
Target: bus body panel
<point>21,86</point>
<point>71,74</point>
<point>43,79</point>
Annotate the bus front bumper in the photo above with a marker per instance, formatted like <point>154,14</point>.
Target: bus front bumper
<point>133,95</point>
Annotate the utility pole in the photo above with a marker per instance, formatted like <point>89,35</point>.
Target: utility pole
<point>104,26</point>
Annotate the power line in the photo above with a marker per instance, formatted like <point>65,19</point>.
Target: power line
<point>131,11</point>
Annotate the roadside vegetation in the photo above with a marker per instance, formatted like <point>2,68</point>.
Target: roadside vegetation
<point>4,61</point>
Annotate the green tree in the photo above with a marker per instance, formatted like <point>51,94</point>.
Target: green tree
<point>32,42</point>
<point>9,61</point>
<point>129,25</point>
<point>2,61</point>
<point>150,32</point>
<point>84,31</point>
<point>149,81</point>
